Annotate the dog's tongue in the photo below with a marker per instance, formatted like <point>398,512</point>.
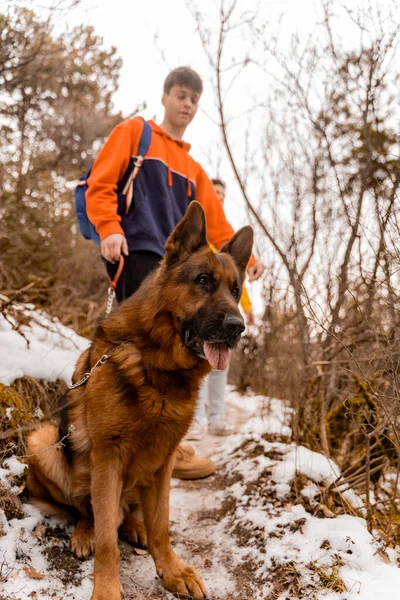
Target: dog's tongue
<point>217,355</point>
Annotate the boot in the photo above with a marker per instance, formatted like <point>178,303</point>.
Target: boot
<point>188,466</point>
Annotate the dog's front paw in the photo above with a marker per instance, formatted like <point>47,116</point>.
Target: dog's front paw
<point>134,531</point>
<point>184,581</point>
<point>82,539</point>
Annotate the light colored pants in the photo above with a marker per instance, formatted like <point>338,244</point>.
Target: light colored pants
<point>211,394</point>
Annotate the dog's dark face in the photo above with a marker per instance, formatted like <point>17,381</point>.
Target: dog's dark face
<point>203,288</point>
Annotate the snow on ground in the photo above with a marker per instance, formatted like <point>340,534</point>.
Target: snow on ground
<point>48,350</point>
<point>283,542</point>
<point>243,528</point>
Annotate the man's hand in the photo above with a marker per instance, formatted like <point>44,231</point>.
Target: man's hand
<point>113,245</point>
<point>250,320</point>
<point>255,271</point>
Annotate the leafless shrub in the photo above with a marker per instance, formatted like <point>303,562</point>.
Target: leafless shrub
<point>320,180</point>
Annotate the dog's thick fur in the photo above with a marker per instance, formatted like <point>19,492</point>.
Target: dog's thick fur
<point>128,419</point>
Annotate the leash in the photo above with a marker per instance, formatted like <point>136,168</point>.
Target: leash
<point>110,301</point>
<point>113,285</point>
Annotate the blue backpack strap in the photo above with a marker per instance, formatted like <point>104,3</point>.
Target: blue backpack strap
<point>145,139</point>
<point>86,228</point>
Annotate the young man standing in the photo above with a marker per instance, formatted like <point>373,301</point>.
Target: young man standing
<point>169,179</point>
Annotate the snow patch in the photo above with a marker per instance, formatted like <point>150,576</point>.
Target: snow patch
<point>316,467</point>
<point>48,351</point>
<point>14,466</point>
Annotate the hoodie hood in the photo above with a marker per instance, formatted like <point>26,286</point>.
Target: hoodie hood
<point>157,129</point>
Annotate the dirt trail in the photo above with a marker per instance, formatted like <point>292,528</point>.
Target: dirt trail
<point>197,535</point>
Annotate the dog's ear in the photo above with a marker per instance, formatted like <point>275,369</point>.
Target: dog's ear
<point>188,236</point>
<point>240,247</point>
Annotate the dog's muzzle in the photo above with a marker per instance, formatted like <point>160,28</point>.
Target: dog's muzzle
<point>213,341</point>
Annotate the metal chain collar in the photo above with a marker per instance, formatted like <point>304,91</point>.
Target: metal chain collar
<point>101,361</point>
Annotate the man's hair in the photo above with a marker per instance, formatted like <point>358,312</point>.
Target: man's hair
<point>184,76</point>
<point>219,182</point>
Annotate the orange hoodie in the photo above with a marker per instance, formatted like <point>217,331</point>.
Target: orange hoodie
<point>168,180</point>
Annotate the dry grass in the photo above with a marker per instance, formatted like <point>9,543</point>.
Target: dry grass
<point>70,284</point>
<point>349,410</point>
<point>23,405</point>
<point>328,577</point>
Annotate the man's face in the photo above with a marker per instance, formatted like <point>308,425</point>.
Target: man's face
<point>220,189</point>
<point>180,105</point>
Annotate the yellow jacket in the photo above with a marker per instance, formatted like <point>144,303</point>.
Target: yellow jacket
<point>245,298</point>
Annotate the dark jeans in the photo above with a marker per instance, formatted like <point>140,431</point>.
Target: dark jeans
<point>136,268</point>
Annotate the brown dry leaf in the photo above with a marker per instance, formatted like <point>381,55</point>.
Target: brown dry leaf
<point>33,574</point>
<point>326,511</point>
<point>40,532</point>
<point>288,507</point>
<point>2,532</point>
<point>383,556</point>
<point>140,551</point>
<point>22,536</point>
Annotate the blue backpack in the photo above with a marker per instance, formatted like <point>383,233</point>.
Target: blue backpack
<point>86,227</point>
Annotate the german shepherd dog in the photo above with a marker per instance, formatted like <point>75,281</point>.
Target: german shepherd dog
<point>127,419</point>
